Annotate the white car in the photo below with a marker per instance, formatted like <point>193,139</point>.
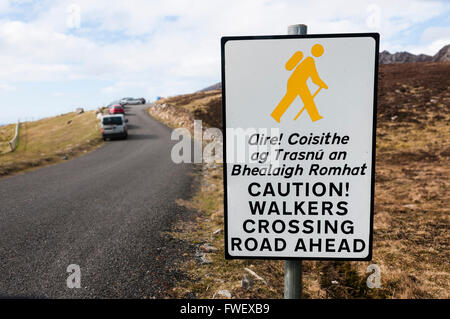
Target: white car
<point>114,126</point>
<point>132,101</point>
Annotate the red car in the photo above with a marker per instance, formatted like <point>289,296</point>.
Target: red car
<point>116,109</point>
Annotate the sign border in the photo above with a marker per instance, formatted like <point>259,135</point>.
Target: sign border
<point>224,40</point>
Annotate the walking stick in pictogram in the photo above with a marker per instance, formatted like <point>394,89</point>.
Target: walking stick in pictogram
<point>305,105</point>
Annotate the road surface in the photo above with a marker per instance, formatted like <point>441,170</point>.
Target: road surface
<point>104,212</point>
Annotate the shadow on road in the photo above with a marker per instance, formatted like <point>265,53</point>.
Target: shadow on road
<point>132,126</point>
<point>142,137</point>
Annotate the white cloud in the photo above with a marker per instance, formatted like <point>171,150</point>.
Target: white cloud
<point>430,48</point>
<point>122,87</point>
<point>434,33</point>
<point>432,40</point>
<point>172,46</point>
<point>7,87</point>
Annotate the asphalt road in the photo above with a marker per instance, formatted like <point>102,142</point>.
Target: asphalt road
<point>104,211</point>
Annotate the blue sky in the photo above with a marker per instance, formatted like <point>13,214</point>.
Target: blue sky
<point>59,55</point>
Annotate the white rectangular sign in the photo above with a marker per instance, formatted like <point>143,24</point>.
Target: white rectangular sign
<point>299,116</point>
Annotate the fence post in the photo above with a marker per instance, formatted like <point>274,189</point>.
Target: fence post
<point>13,142</point>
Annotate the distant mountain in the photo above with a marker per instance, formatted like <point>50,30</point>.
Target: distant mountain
<point>217,86</point>
<point>402,57</point>
<point>405,57</point>
<point>387,58</point>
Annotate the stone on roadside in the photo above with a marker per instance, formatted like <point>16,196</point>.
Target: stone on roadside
<point>247,282</point>
<point>208,248</point>
<point>254,274</point>
<point>224,293</point>
<point>202,258</point>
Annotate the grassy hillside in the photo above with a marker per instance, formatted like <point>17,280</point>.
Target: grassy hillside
<point>50,141</point>
<point>411,238</point>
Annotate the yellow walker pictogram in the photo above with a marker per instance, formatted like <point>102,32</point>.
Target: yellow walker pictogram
<point>296,85</point>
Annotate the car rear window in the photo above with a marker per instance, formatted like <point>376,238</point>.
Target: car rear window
<point>117,120</point>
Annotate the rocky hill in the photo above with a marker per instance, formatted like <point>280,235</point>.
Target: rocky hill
<point>443,55</point>
<point>402,57</point>
<point>405,57</point>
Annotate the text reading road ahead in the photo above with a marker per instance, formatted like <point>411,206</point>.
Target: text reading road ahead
<point>319,215</point>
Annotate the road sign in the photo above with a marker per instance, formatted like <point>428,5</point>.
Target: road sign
<point>299,114</point>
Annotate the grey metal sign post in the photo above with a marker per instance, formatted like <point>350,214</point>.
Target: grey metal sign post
<point>293,268</point>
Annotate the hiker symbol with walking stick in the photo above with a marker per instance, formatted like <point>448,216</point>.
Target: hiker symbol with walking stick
<point>296,85</point>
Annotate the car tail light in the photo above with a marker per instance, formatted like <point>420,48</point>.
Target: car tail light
<point>103,130</point>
